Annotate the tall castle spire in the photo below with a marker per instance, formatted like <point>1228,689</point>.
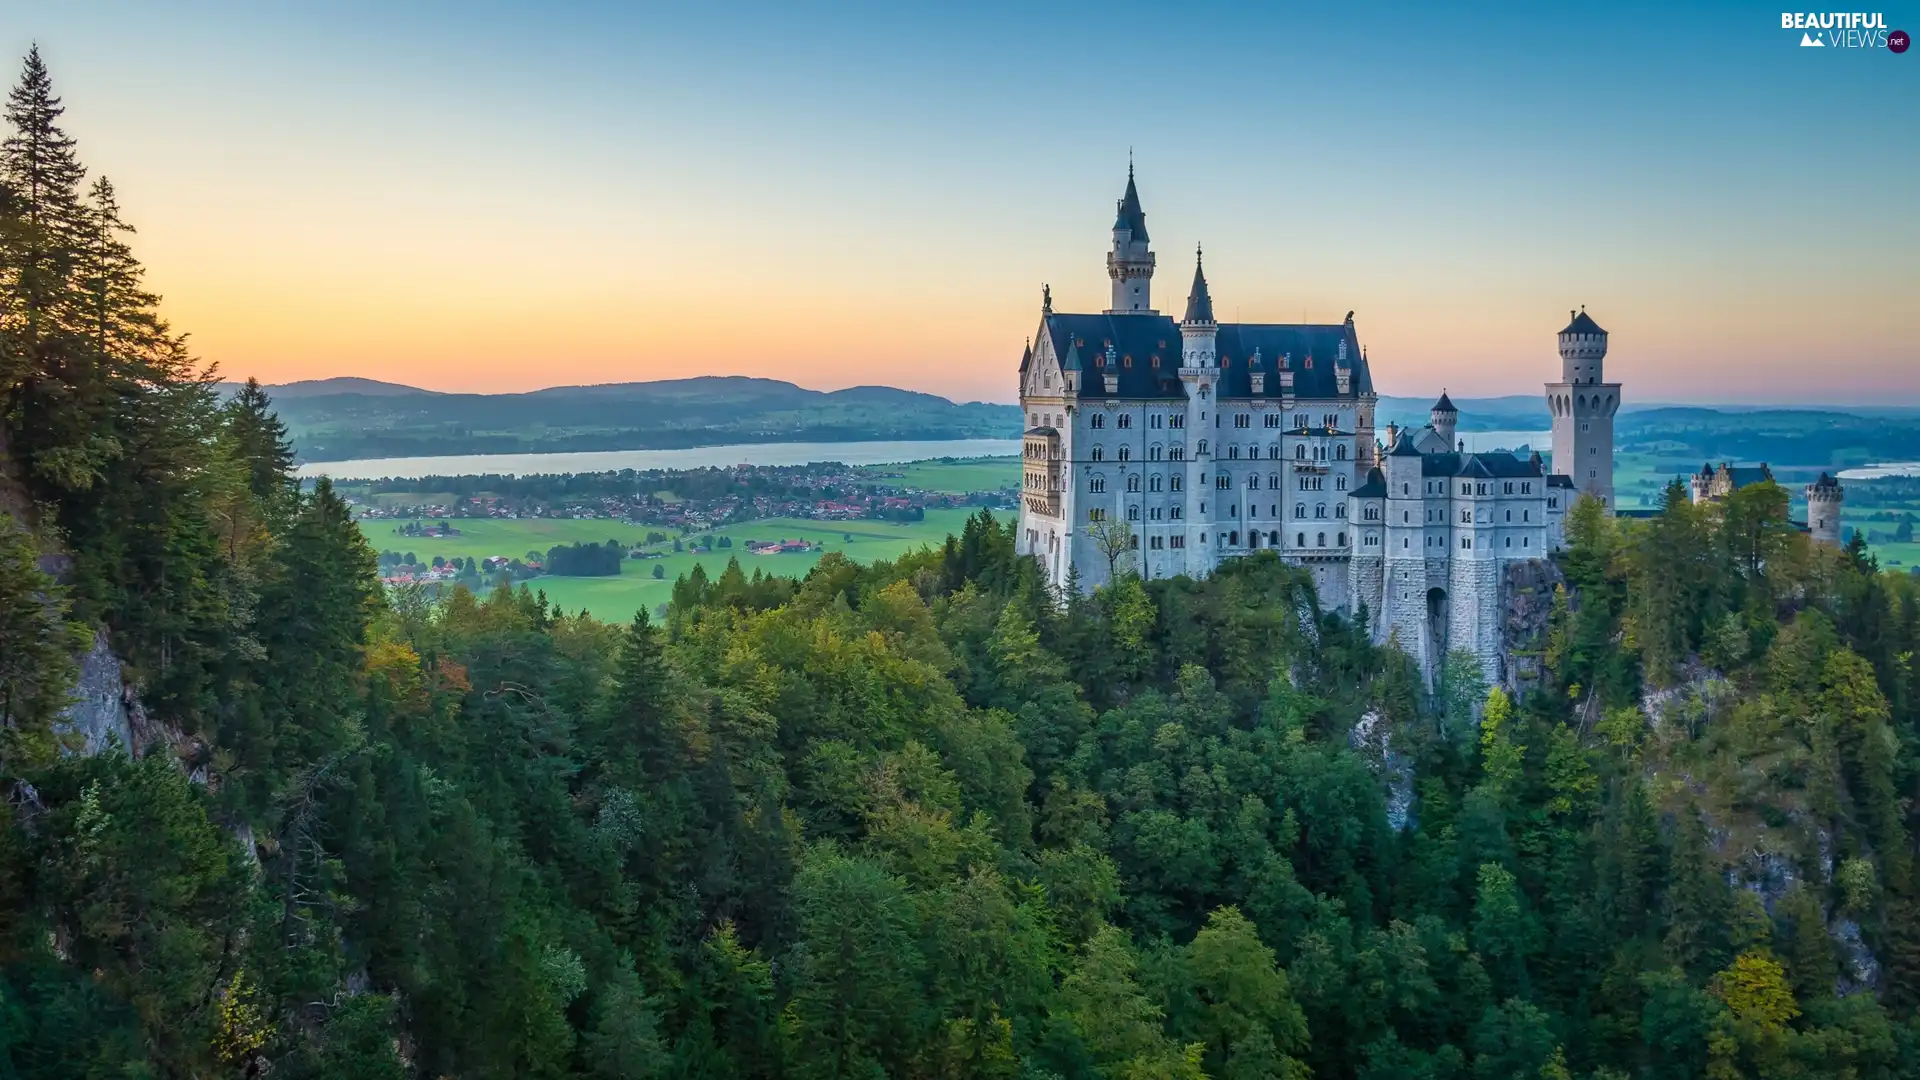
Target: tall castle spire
<point>1130,263</point>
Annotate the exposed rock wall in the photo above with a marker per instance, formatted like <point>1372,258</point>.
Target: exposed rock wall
<point>1526,602</point>
<point>101,716</point>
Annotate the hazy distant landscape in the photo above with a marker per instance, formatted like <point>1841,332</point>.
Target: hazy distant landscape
<point>344,419</point>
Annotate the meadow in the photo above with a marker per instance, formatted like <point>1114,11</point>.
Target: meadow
<point>618,598</point>
<point>954,475</point>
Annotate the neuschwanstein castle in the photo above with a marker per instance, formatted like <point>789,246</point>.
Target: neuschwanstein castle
<point>1214,440</point>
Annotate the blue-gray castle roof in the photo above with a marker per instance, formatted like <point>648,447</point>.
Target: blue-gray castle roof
<point>1130,215</point>
<point>1147,356</point>
<point>1583,324</point>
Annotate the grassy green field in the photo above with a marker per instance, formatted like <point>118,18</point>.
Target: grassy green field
<point>617,598</point>
<point>959,475</point>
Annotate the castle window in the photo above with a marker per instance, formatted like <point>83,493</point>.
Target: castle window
<point>1320,510</point>
<point>1509,541</point>
<point>1176,541</point>
<point>1526,515</point>
<point>1340,540</point>
<point>1592,450</point>
<point>1526,487</point>
<point>1323,540</point>
<point>1300,452</point>
<point>1154,543</point>
<point>1177,420</point>
<point>1098,421</point>
<point>1203,446</point>
<point>1220,482</point>
<point>1173,482</point>
<point>1253,482</point>
<point>1466,517</point>
<point>1154,420</point>
<point>1124,420</point>
<point>1095,513</point>
<point>1553,503</point>
<point>1405,543</point>
<point>1341,451</point>
<point>1153,452</point>
<point>1097,485</point>
<point>1242,420</point>
<point>1127,360</point>
<point>1154,361</point>
<point>1233,453</point>
<point>1466,542</point>
<point>1300,540</point>
<point>1406,516</point>
<point>1272,420</point>
<point>1125,452</point>
<point>1154,483</point>
<point>1509,487</point>
<point>1174,512</point>
<point>1133,483</point>
<point>1099,359</point>
<point>1406,489</point>
<point>1466,489</point>
<point>1509,515</point>
<point>1133,513</point>
<point>1097,453</point>
<point>1339,510</point>
<point>1299,510</point>
<point>1340,482</point>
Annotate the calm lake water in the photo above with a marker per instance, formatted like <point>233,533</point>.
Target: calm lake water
<point>1877,472</point>
<point>851,453</point>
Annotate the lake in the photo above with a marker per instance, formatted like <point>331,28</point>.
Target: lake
<point>1882,471</point>
<point>698,457</point>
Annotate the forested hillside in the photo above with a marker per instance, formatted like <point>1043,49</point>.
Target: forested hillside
<point>909,820</point>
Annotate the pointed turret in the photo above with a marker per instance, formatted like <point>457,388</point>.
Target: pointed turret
<point>1199,302</point>
<point>1445,417</point>
<point>1130,263</point>
<point>1130,217</point>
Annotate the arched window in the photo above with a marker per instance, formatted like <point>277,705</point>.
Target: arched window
<point>1341,451</point>
<point>1133,483</point>
<point>1341,540</point>
<point>1097,485</point>
<point>1153,452</point>
<point>1153,484</point>
<point>1273,538</point>
<point>1273,481</point>
<point>1098,421</point>
<point>1300,540</point>
<point>1233,453</point>
<point>1133,513</point>
<point>1340,482</point>
<point>1126,452</point>
<point>1322,541</point>
<point>1203,446</point>
<point>1300,452</point>
<point>1253,482</point>
<point>1233,538</point>
<point>1174,482</point>
<point>1125,420</point>
<point>1299,510</point>
<point>1320,510</point>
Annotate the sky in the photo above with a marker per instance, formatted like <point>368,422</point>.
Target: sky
<point>490,197</point>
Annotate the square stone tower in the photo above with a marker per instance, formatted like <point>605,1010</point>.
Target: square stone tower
<point>1583,405</point>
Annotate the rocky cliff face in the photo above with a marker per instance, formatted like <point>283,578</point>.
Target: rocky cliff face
<point>1526,602</point>
<point>101,716</point>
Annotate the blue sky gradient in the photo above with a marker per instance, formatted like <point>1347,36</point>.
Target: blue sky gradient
<point>502,196</point>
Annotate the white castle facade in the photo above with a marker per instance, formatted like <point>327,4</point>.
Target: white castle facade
<point>1168,447</point>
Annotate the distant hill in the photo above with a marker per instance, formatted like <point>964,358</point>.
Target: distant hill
<point>337,419</point>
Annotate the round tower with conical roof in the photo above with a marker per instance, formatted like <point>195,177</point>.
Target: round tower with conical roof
<point>1446,418</point>
<point>1824,498</point>
<point>1583,406</point>
<point>1130,263</point>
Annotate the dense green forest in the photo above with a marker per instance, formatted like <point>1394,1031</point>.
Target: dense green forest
<point>916,819</point>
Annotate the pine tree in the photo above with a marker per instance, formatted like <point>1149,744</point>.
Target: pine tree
<point>261,441</point>
<point>42,175</point>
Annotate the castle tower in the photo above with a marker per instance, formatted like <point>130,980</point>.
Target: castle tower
<point>1130,263</point>
<point>1199,371</point>
<point>1445,418</point>
<point>1701,484</point>
<point>1583,406</point>
<point>1824,497</point>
